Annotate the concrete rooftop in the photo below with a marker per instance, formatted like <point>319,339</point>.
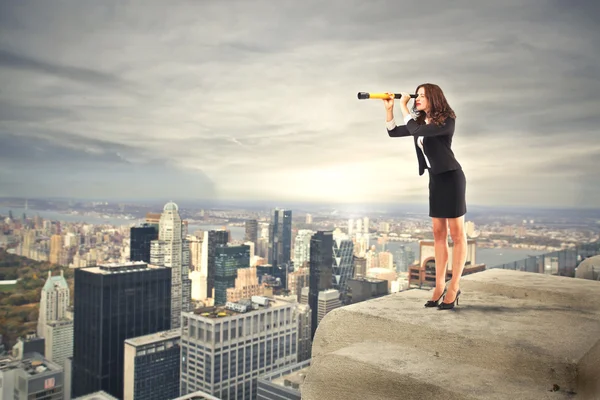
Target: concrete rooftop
<point>514,335</point>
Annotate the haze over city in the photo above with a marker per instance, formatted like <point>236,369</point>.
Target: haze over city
<point>247,101</point>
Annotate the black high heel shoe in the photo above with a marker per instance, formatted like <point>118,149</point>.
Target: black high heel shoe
<point>434,303</point>
<point>449,306</point>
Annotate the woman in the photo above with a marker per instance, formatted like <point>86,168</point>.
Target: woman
<point>432,130</point>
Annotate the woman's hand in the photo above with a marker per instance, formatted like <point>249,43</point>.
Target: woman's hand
<point>389,103</point>
<point>405,98</point>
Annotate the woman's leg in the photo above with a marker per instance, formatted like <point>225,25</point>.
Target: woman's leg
<point>440,241</point>
<point>459,255</point>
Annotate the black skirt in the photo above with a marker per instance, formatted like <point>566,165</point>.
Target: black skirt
<point>447,194</point>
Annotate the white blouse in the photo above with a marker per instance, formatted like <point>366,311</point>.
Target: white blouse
<point>392,124</point>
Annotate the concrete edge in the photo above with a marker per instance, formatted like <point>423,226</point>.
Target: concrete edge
<point>336,332</point>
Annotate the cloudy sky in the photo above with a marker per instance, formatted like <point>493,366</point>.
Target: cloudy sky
<point>257,99</point>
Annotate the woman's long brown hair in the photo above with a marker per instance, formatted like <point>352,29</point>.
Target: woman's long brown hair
<point>438,105</point>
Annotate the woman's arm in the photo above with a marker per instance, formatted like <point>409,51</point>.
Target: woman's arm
<point>432,129</point>
<point>397,131</point>
<point>392,129</point>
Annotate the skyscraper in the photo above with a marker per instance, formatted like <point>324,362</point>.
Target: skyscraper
<point>215,238</point>
<point>343,266</point>
<point>172,250</point>
<point>55,248</point>
<point>302,247</point>
<point>228,260</point>
<point>280,243</point>
<point>140,239</point>
<point>251,231</point>
<point>225,349</point>
<point>152,366</point>
<point>321,263</point>
<point>115,302</point>
<point>53,302</point>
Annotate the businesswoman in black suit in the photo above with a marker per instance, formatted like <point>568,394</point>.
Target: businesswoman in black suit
<point>432,131</point>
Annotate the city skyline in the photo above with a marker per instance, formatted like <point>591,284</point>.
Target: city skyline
<point>239,100</point>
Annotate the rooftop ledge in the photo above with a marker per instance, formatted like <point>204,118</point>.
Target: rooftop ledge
<point>514,335</point>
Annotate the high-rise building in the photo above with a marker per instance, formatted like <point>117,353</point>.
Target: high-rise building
<point>55,248</point>
<point>385,260</point>
<point>153,219</point>
<point>172,250</point>
<point>246,285</point>
<point>303,315</point>
<point>343,266</point>
<point>321,271</point>
<point>115,302</point>
<point>28,243</point>
<point>140,239</point>
<point>224,350</point>
<point>228,261</point>
<point>304,332</point>
<point>308,220</point>
<point>302,247</point>
<point>280,243</point>
<point>215,238</point>
<point>33,377</point>
<point>251,231</point>
<point>29,343</point>
<point>196,254</point>
<point>297,280</point>
<point>58,336</point>
<point>199,260</point>
<point>54,301</point>
<point>362,289</point>
<point>152,366</point>
<point>283,384</point>
<point>329,300</point>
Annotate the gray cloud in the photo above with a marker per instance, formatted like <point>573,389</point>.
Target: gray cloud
<point>91,168</point>
<point>259,98</point>
<point>9,59</point>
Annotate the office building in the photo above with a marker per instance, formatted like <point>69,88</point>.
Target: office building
<point>283,384</point>
<point>246,285</point>
<point>298,280</point>
<point>30,343</point>
<point>33,377</point>
<point>140,239</point>
<point>115,302</point>
<point>225,349</point>
<point>362,289</point>
<point>321,271</point>
<point>251,234</point>
<point>152,366</point>
<point>302,247</point>
<point>343,262</point>
<point>54,301</point>
<point>172,250</point>
<point>280,244</point>
<point>196,254</point>
<point>228,261</point>
<point>215,239</point>
<point>329,300</point>
<point>58,339</point>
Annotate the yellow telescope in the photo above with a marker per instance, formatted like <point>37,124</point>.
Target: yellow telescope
<point>367,95</point>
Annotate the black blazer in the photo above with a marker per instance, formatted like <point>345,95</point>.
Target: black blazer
<point>437,144</point>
